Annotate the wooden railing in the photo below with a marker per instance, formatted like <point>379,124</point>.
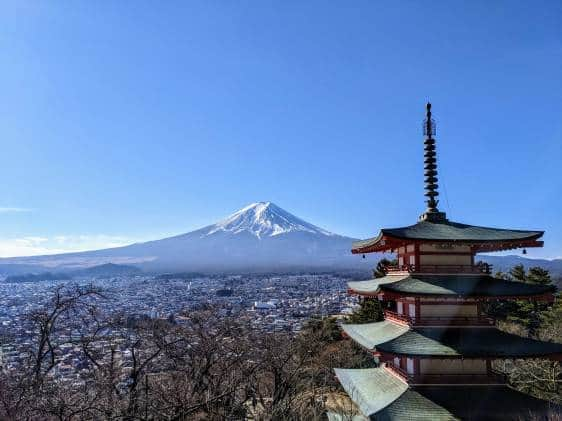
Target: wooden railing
<point>481,268</point>
<point>439,321</point>
<point>395,317</point>
<point>401,372</point>
<point>492,377</point>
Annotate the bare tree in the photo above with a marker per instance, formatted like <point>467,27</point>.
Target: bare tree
<point>209,367</point>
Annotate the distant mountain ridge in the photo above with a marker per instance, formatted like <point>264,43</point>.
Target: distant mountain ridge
<point>505,263</point>
<point>39,277</point>
<point>107,270</point>
<point>261,237</point>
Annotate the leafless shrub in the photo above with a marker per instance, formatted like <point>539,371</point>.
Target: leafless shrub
<point>210,367</point>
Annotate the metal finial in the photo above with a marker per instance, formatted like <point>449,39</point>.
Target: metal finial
<point>428,123</point>
<point>430,169</point>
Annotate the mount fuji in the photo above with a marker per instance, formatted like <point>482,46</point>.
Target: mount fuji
<point>264,219</point>
<point>258,238</point>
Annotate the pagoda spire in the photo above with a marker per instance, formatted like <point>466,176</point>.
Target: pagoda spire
<point>432,213</point>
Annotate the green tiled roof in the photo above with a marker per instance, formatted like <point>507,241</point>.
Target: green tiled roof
<point>372,389</point>
<point>467,342</point>
<point>492,403</point>
<point>453,402</point>
<point>450,231</point>
<point>455,285</point>
<point>413,406</point>
<point>370,335</point>
<point>394,338</point>
<point>372,285</point>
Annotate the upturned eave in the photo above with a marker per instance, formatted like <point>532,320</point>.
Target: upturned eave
<point>392,339</point>
<point>457,286</point>
<point>479,238</point>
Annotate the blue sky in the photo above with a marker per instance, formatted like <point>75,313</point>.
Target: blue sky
<point>128,120</point>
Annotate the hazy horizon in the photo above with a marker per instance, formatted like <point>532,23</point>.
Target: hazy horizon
<point>223,220</point>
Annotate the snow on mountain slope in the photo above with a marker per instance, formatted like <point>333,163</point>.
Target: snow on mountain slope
<point>264,219</point>
<point>259,237</point>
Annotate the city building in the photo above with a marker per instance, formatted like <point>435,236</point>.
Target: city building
<point>436,347</point>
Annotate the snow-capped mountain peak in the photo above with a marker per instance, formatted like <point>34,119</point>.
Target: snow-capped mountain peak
<point>264,219</point>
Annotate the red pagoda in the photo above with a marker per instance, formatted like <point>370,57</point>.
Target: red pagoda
<point>435,347</point>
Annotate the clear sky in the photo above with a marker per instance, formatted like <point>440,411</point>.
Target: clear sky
<point>123,120</point>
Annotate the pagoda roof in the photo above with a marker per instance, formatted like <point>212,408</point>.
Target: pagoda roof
<point>414,406</point>
<point>473,403</point>
<point>411,405</point>
<point>369,335</point>
<point>468,342</point>
<point>372,389</point>
<point>439,403</point>
<point>448,231</point>
<point>372,286</point>
<point>456,285</point>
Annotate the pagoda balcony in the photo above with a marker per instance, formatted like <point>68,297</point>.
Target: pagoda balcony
<point>439,321</point>
<point>476,269</point>
<point>492,377</point>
